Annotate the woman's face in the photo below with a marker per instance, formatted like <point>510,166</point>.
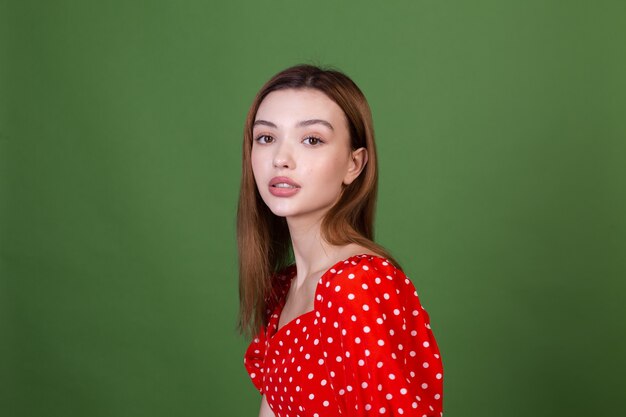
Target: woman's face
<point>301,153</point>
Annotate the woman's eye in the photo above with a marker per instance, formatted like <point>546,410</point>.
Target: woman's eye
<point>264,139</point>
<point>313,140</point>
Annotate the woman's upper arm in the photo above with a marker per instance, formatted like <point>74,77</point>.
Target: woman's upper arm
<point>265,410</point>
<point>382,353</point>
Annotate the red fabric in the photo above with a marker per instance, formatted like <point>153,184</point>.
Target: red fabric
<point>365,349</point>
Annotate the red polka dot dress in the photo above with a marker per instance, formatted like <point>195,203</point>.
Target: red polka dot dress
<point>366,348</point>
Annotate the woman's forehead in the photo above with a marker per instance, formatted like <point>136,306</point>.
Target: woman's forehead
<point>288,107</point>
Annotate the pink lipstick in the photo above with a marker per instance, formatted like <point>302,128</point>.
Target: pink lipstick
<point>283,187</point>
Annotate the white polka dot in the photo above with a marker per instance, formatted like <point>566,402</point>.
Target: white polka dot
<point>338,359</point>
<point>425,344</point>
<point>379,365</point>
<point>379,320</point>
<point>321,362</point>
<point>350,276</point>
<point>403,391</point>
<point>311,396</point>
<point>366,329</point>
<point>368,407</point>
<point>392,376</point>
<point>396,311</point>
<point>425,365</point>
<point>366,307</point>
<point>437,396</point>
<point>365,267</point>
<point>438,376</point>
<point>350,296</point>
<point>357,340</point>
<point>325,403</point>
<point>323,382</point>
<point>340,310</point>
<point>330,340</point>
<point>364,385</point>
<point>382,410</point>
<point>364,286</point>
<point>389,396</point>
<point>252,375</point>
<point>337,288</point>
<point>424,385</point>
<point>381,342</point>
<point>311,376</point>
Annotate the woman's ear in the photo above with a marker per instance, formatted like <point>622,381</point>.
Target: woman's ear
<point>358,159</point>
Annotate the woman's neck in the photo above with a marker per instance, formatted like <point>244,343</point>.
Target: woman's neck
<point>312,253</point>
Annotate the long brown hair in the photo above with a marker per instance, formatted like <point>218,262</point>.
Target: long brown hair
<point>263,238</point>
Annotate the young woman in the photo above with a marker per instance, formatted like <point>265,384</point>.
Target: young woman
<point>341,332</point>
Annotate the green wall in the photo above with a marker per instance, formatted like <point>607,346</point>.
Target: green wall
<point>501,130</point>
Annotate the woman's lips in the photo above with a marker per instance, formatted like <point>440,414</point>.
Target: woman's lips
<point>283,192</point>
<point>283,187</point>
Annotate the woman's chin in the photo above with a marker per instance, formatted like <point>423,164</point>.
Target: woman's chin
<point>281,212</point>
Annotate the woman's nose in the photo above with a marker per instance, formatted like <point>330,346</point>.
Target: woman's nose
<point>283,158</point>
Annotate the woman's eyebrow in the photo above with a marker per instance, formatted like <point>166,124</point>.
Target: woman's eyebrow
<point>314,122</point>
<point>263,122</point>
<point>303,123</point>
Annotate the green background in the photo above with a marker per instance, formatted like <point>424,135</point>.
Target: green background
<point>501,128</point>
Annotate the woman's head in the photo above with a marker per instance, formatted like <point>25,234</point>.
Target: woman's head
<point>263,236</point>
<point>357,201</point>
<point>301,156</point>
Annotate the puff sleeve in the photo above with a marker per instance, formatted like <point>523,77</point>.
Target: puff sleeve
<point>254,359</point>
<point>380,352</point>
